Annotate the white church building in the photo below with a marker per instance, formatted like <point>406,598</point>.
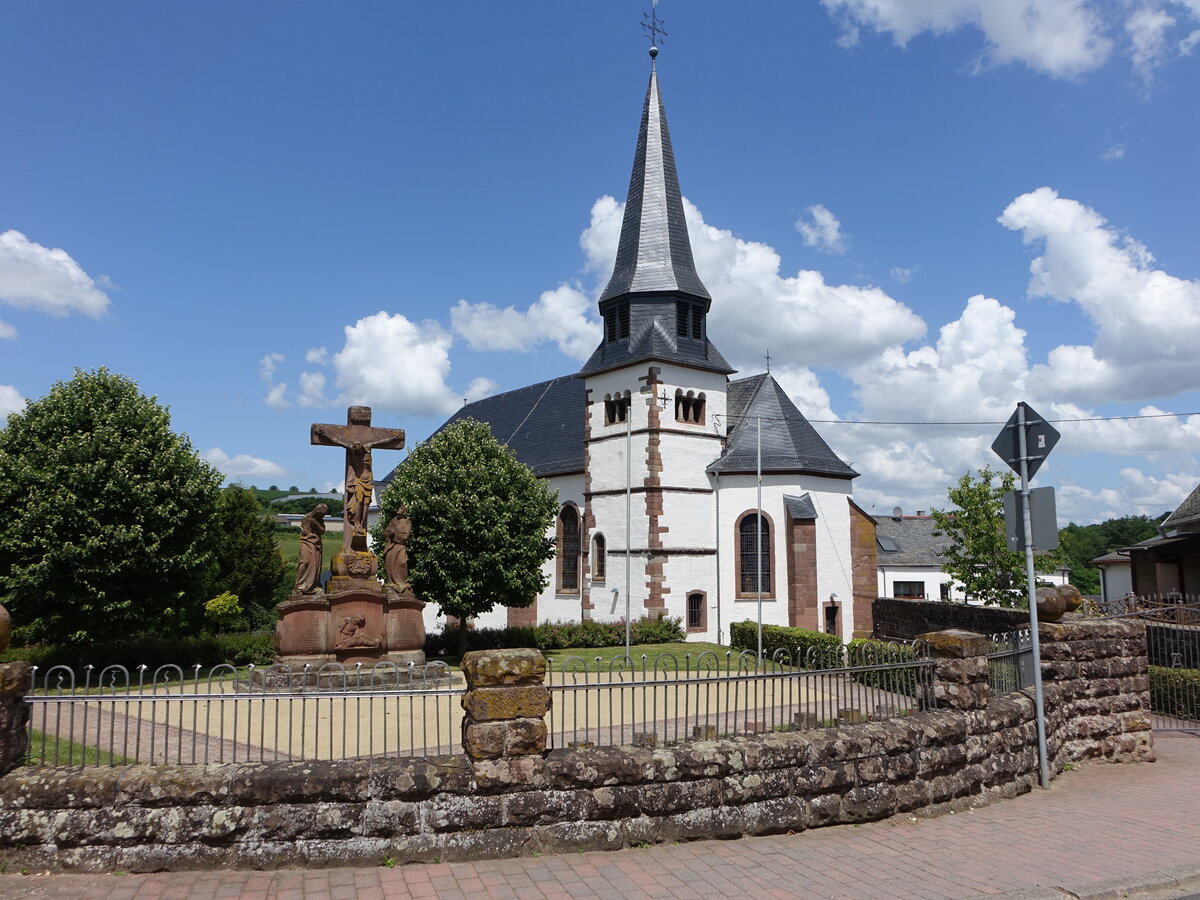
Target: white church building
<point>662,461</point>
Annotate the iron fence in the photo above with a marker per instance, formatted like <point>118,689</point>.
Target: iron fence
<point>674,697</point>
<point>1010,661</point>
<point>173,715</point>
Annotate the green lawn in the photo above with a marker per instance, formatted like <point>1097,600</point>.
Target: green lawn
<point>650,651</point>
<point>61,752</point>
<point>289,547</point>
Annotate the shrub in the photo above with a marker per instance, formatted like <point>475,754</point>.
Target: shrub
<point>224,611</point>
<point>1175,692</point>
<point>559,636</point>
<point>826,648</point>
<point>866,652</point>
<point>152,652</point>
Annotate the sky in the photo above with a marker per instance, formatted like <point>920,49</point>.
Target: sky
<point>923,211</point>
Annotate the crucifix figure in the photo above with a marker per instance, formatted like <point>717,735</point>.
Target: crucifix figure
<point>358,439</point>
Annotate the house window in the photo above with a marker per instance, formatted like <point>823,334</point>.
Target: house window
<point>689,407</point>
<point>616,408</point>
<point>599,557</point>
<point>697,611</point>
<point>568,550</point>
<point>944,590</point>
<point>754,556</point>
<point>913,590</point>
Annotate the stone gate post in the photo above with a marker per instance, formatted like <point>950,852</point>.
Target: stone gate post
<point>960,669</point>
<point>14,714</point>
<point>506,703</point>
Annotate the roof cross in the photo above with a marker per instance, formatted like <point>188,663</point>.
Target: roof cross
<point>768,358</point>
<point>652,25</point>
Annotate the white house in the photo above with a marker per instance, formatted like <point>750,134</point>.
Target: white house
<point>656,453</point>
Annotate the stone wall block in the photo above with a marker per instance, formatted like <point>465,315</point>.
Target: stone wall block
<point>484,668</point>
<point>488,704</point>
<point>509,737</point>
<point>15,679</point>
<point>546,807</point>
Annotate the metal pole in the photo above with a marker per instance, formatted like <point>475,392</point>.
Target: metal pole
<point>628,504</point>
<point>1039,703</point>
<point>717,544</point>
<point>758,559</point>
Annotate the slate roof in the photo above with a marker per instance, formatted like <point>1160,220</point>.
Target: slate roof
<point>654,253</point>
<point>652,337</point>
<point>542,424</point>
<point>914,539</point>
<point>789,442</point>
<point>800,507</point>
<point>1109,558</point>
<point>1188,512</point>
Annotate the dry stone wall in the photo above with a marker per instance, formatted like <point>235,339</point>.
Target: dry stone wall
<point>971,749</point>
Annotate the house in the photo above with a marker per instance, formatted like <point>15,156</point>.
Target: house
<point>1169,565</point>
<point>1116,575</point>
<point>911,557</point>
<point>683,492</point>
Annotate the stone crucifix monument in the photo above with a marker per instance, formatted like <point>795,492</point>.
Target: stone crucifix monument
<point>355,618</point>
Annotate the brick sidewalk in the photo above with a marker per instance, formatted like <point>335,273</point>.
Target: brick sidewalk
<point>1099,830</point>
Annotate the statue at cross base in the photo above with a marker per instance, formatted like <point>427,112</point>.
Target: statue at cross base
<point>358,439</point>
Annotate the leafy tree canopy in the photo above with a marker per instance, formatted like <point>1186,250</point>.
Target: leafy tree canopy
<point>106,513</point>
<point>479,520</point>
<point>1079,544</point>
<point>248,561</point>
<point>303,505</point>
<point>978,557</point>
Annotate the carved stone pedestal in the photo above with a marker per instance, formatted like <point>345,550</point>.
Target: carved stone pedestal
<point>358,622</point>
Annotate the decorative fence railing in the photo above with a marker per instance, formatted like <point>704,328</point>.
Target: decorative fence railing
<point>1179,609</point>
<point>683,697</point>
<point>176,715</point>
<point>1010,661</point>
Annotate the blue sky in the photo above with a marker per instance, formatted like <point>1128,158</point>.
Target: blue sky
<point>924,212</point>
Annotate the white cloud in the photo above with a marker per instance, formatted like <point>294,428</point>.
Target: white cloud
<point>1063,38</point>
<point>11,401</point>
<point>1115,152</point>
<point>559,316</point>
<point>243,465</point>
<point>7,332</point>
<point>800,318</point>
<point>317,356</point>
<point>1147,28</point>
<point>479,388</point>
<point>45,279</point>
<point>268,365</point>
<point>390,362</point>
<point>1138,494</point>
<point>312,390</point>
<point>822,230</point>
<point>1148,322</point>
<point>276,396</point>
<point>902,275</point>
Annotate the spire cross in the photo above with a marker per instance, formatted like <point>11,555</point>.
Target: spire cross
<point>768,357</point>
<point>652,25</point>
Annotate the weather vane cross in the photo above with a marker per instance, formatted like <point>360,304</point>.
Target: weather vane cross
<point>652,25</point>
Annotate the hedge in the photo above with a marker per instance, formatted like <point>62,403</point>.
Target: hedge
<point>797,641</point>
<point>206,650</point>
<point>1175,692</point>
<point>559,636</point>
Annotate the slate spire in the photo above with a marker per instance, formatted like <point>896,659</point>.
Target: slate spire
<point>654,253</point>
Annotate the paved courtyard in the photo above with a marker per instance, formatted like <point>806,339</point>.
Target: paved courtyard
<point>1099,831</point>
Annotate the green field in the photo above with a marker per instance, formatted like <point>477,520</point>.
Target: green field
<point>289,547</point>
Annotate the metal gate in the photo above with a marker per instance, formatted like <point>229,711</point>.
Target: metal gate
<point>1174,656</point>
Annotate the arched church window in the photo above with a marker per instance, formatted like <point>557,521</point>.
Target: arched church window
<point>754,555</point>
<point>568,550</point>
<point>599,557</point>
<point>697,619</point>
<point>616,408</point>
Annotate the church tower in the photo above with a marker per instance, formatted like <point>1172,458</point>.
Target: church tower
<point>655,398</point>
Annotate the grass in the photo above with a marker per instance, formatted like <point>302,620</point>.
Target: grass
<point>60,751</point>
<point>288,541</point>
<point>651,651</point>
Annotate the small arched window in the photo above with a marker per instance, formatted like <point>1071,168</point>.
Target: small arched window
<point>568,550</point>
<point>754,556</point>
<point>689,407</point>
<point>599,557</point>
<point>616,408</point>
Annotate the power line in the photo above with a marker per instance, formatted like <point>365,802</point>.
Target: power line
<point>1004,421</point>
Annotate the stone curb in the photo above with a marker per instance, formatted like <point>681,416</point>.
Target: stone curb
<point>1185,879</point>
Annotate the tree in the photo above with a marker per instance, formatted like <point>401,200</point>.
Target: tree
<point>1079,544</point>
<point>248,561</point>
<point>978,557</point>
<point>479,518</point>
<point>225,612</point>
<point>305,505</point>
<point>104,532</point>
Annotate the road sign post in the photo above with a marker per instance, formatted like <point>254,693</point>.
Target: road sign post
<point>1026,431</point>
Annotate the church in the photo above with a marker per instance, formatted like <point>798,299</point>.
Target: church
<point>683,492</point>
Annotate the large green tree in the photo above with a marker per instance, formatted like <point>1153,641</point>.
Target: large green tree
<point>249,564</point>
<point>105,524</point>
<point>479,518</point>
<point>1079,544</point>
<point>978,556</point>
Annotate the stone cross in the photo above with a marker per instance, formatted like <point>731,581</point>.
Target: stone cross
<point>359,439</point>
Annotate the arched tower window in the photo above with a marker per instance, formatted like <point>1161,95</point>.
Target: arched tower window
<point>599,557</point>
<point>616,408</point>
<point>568,550</point>
<point>752,562</point>
<point>689,407</point>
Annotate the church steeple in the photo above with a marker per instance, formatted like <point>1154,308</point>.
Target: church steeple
<point>654,253</point>
<point>655,306</point>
